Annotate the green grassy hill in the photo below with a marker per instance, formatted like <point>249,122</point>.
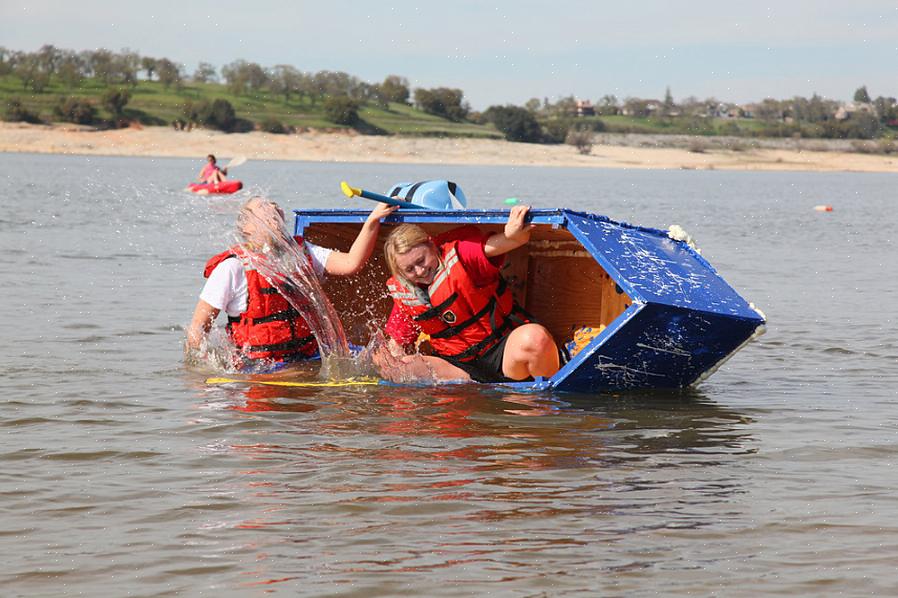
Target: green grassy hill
<point>152,104</point>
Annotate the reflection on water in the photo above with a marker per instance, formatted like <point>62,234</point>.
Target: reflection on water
<point>417,478</point>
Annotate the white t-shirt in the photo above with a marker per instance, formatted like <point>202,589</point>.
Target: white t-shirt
<point>225,288</point>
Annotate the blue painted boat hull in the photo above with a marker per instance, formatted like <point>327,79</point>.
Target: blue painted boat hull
<point>669,318</point>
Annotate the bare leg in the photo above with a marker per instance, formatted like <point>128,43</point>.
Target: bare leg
<point>530,351</point>
<point>442,370</point>
<point>415,368</point>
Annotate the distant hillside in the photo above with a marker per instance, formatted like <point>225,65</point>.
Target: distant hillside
<point>151,103</point>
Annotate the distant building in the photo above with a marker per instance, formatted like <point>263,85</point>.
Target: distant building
<point>845,111</point>
<point>585,108</point>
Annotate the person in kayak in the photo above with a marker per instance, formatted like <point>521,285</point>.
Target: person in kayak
<point>450,289</point>
<point>261,322</point>
<point>211,174</point>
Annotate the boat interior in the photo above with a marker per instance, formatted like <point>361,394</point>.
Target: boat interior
<point>553,277</point>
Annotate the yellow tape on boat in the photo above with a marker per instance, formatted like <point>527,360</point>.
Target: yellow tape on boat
<point>330,384</point>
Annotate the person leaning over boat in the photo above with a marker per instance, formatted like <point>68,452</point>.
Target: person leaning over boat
<point>450,289</point>
<point>261,322</point>
<point>211,174</point>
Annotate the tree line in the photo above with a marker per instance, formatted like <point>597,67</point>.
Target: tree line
<point>342,95</point>
<point>123,70</point>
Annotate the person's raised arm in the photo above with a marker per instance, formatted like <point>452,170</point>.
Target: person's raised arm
<point>516,233</point>
<point>348,263</point>
<point>203,316</point>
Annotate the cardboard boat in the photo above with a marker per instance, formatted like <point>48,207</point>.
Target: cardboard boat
<point>666,318</point>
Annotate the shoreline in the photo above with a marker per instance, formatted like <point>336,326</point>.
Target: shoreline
<point>352,147</point>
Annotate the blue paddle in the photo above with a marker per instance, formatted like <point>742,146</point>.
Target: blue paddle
<point>355,191</point>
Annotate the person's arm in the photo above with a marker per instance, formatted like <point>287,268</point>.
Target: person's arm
<point>203,316</point>
<point>348,263</point>
<point>516,233</point>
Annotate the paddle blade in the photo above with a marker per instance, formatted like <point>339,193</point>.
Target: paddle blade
<point>236,161</point>
<point>349,191</point>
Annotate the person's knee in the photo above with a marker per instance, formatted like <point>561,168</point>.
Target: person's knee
<point>534,338</point>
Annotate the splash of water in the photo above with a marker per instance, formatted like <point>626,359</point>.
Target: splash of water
<point>286,266</point>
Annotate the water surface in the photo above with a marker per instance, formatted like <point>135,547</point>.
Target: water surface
<point>124,474</point>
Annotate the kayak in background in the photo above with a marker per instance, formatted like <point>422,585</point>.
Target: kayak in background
<point>222,188</point>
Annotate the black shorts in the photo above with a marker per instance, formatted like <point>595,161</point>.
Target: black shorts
<point>487,367</point>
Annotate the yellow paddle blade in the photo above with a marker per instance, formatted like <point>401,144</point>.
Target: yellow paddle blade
<point>349,191</point>
<point>329,384</point>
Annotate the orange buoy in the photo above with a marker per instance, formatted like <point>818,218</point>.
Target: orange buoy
<point>823,208</point>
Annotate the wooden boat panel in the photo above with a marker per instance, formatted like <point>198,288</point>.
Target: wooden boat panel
<point>553,278</point>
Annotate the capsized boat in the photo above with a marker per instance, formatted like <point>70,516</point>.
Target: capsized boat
<point>664,317</point>
<point>222,188</point>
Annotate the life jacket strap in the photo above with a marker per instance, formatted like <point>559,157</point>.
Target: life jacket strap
<point>291,345</point>
<point>453,330</point>
<point>475,351</point>
<point>436,310</point>
<point>287,315</point>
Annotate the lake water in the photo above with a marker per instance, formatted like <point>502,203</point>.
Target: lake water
<point>124,474</point>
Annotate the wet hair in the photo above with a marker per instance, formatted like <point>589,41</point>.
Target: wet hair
<point>247,213</point>
<point>403,239</point>
<point>212,156</point>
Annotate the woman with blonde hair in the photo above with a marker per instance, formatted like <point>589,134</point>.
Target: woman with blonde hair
<point>450,289</point>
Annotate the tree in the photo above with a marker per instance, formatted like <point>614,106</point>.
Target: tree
<point>242,76</point>
<point>197,113</point>
<point>70,70</point>
<point>115,101</point>
<point>256,77</point>
<point>102,65</point>
<point>442,101</point>
<point>581,138</point>
<point>637,107</point>
<point>7,61</point>
<point>861,95</point>
<point>668,107</point>
<point>395,89</point>
<point>887,109</point>
<point>516,123</point>
<point>28,69</point>
<point>149,66</point>
<point>563,108</point>
<point>17,112</point>
<point>76,110</point>
<point>169,73</point>
<point>862,125</point>
<point>533,105</point>
<point>285,80</point>
<point>223,115</point>
<point>234,76</point>
<point>48,58</point>
<point>769,110</point>
<point>127,65</point>
<point>607,106</point>
<point>205,73</point>
<point>341,109</point>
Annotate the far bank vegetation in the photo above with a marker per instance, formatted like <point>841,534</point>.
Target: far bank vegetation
<point>104,88</point>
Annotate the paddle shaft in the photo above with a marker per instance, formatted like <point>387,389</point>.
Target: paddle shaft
<point>389,200</point>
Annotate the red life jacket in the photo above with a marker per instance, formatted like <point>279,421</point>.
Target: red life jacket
<point>270,328</point>
<point>463,320</point>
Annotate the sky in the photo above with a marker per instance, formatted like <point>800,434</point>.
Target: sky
<point>505,52</point>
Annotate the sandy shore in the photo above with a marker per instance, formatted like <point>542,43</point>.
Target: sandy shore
<point>337,147</point>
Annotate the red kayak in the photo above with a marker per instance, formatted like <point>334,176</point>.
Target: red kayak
<point>223,188</point>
